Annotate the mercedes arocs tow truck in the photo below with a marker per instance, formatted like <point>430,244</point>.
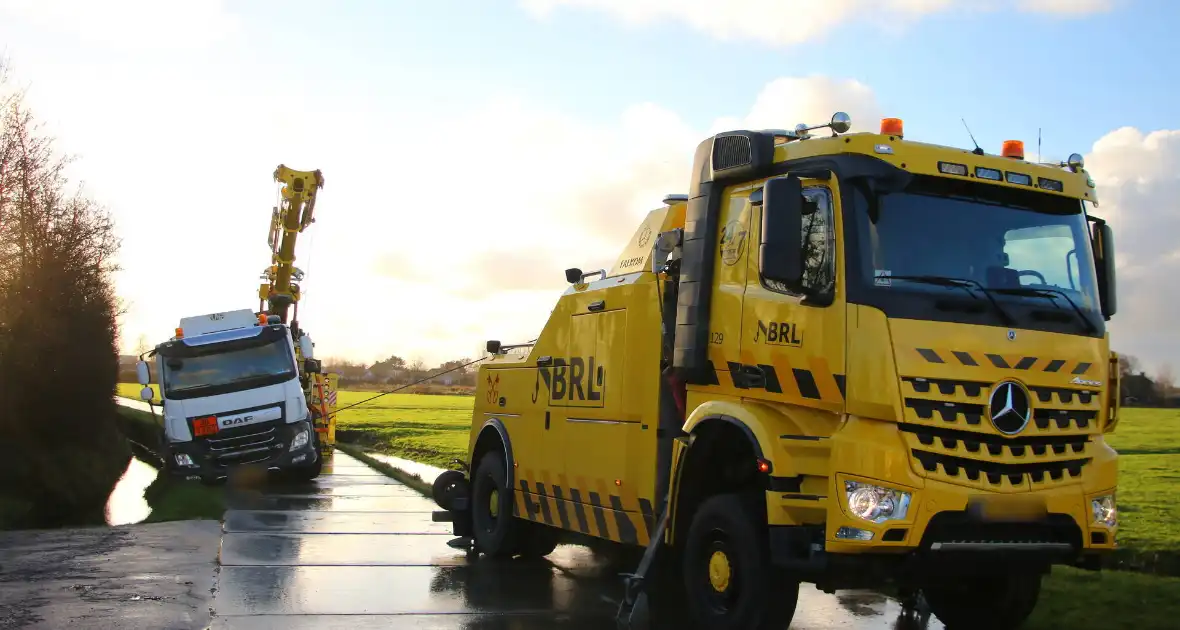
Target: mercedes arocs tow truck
<point>849,359</point>
<point>243,387</point>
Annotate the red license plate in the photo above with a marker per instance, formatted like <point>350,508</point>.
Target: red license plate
<point>205,426</point>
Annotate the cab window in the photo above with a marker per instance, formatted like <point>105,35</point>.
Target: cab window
<point>819,244</point>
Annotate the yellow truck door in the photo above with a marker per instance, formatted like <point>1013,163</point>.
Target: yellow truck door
<point>793,346</point>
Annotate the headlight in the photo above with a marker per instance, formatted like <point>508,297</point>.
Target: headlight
<point>182,459</point>
<point>1104,510</point>
<point>299,441</point>
<point>874,503</point>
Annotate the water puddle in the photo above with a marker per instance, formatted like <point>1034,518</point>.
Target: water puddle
<point>126,505</point>
<point>426,472</point>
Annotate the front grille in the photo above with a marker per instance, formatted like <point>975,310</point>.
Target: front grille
<point>244,445</point>
<point>951,438</point>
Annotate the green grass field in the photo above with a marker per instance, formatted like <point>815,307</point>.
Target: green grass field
<point>428,429</point>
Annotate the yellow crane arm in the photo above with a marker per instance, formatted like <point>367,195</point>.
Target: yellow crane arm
<point>293,214</point>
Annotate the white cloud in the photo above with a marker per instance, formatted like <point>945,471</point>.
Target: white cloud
<point>1067,7</point>
<point>783,22</point>
<point>1138,177</point>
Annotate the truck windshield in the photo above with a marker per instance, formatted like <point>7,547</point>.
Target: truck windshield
<point>220,368</point>
<point>1016,247</point>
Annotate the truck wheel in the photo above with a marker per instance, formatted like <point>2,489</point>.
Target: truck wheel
<point>309,472</point>
<point>1000,602</point>
<point>491,508</point>
<point>727,572</point>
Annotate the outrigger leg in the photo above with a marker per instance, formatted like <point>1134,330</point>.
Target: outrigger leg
<point>633,611</point>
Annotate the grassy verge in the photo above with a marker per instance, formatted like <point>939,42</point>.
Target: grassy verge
<point>413,481</point>
<point>1148,442</point>
<point>170,499</point>
<point>1110,600</point>
<point>174,499</point>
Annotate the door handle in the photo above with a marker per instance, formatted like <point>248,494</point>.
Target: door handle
<point>754,376</point>
<point>597,306</point>
<point>546,360</point>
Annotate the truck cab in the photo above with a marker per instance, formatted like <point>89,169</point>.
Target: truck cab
<point>231,396</point>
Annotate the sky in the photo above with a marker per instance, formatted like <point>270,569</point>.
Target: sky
<point>474,149</point>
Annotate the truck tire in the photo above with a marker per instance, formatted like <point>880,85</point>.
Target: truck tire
<point>1000,602</point>
<point>312,470</point>
<point>727,573</point>
<point>309,472</point>
<point>496,531</point>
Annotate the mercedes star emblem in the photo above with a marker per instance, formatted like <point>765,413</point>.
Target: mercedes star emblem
<point>1011,335</point>
<point>1009,407</point>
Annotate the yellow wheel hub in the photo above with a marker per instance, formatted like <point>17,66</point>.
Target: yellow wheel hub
<point>494,501</point>
<point>719,571</point>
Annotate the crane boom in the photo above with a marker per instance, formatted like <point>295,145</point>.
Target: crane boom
<point>293,214</point>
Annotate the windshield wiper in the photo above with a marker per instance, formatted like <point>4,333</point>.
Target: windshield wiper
<point>1047,293</point>
<point>965,284</point>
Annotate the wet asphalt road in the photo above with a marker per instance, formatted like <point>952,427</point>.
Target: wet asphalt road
<point>356,549</point>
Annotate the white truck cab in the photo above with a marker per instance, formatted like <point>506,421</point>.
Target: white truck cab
<point>231,395</point>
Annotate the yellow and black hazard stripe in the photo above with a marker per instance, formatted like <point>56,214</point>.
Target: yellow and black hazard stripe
<point>621,517</point>
<point>1005,361</point>
<point>780,377</point>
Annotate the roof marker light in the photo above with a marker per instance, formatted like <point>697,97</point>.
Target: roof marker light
<point>892,127</point>
<point>950,168</point>
<point>1013,149</point>
<point>1019,179</point>
<point>982,172</point>
<point>1050,184</point>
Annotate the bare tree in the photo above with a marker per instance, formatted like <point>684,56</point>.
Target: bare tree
<point>1128,364</point>
<point>1165,380</point>
<point>142,345</point>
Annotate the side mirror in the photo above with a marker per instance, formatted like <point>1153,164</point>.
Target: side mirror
<point>780,251</point>
<point>142,374</point>
<point>1104,260</point>
<point>306,347</point>
<point>573,276</point>
<point>311,366</point>
<point>493,346</point>
<point>146,394</point>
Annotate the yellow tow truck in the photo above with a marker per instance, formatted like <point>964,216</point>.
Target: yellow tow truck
<point>849,359</point>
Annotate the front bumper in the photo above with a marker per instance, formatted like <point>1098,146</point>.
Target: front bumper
<point>265,447</point>
<point>943,528</point>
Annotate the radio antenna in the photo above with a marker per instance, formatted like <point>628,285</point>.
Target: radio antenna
<point>977,151</point>
<point>1038,145</point>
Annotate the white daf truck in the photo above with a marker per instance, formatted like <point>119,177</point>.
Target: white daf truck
<point>232,396</point>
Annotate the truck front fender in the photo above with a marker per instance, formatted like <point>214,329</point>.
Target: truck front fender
<point>494,432</point>
<point>751,423</point>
